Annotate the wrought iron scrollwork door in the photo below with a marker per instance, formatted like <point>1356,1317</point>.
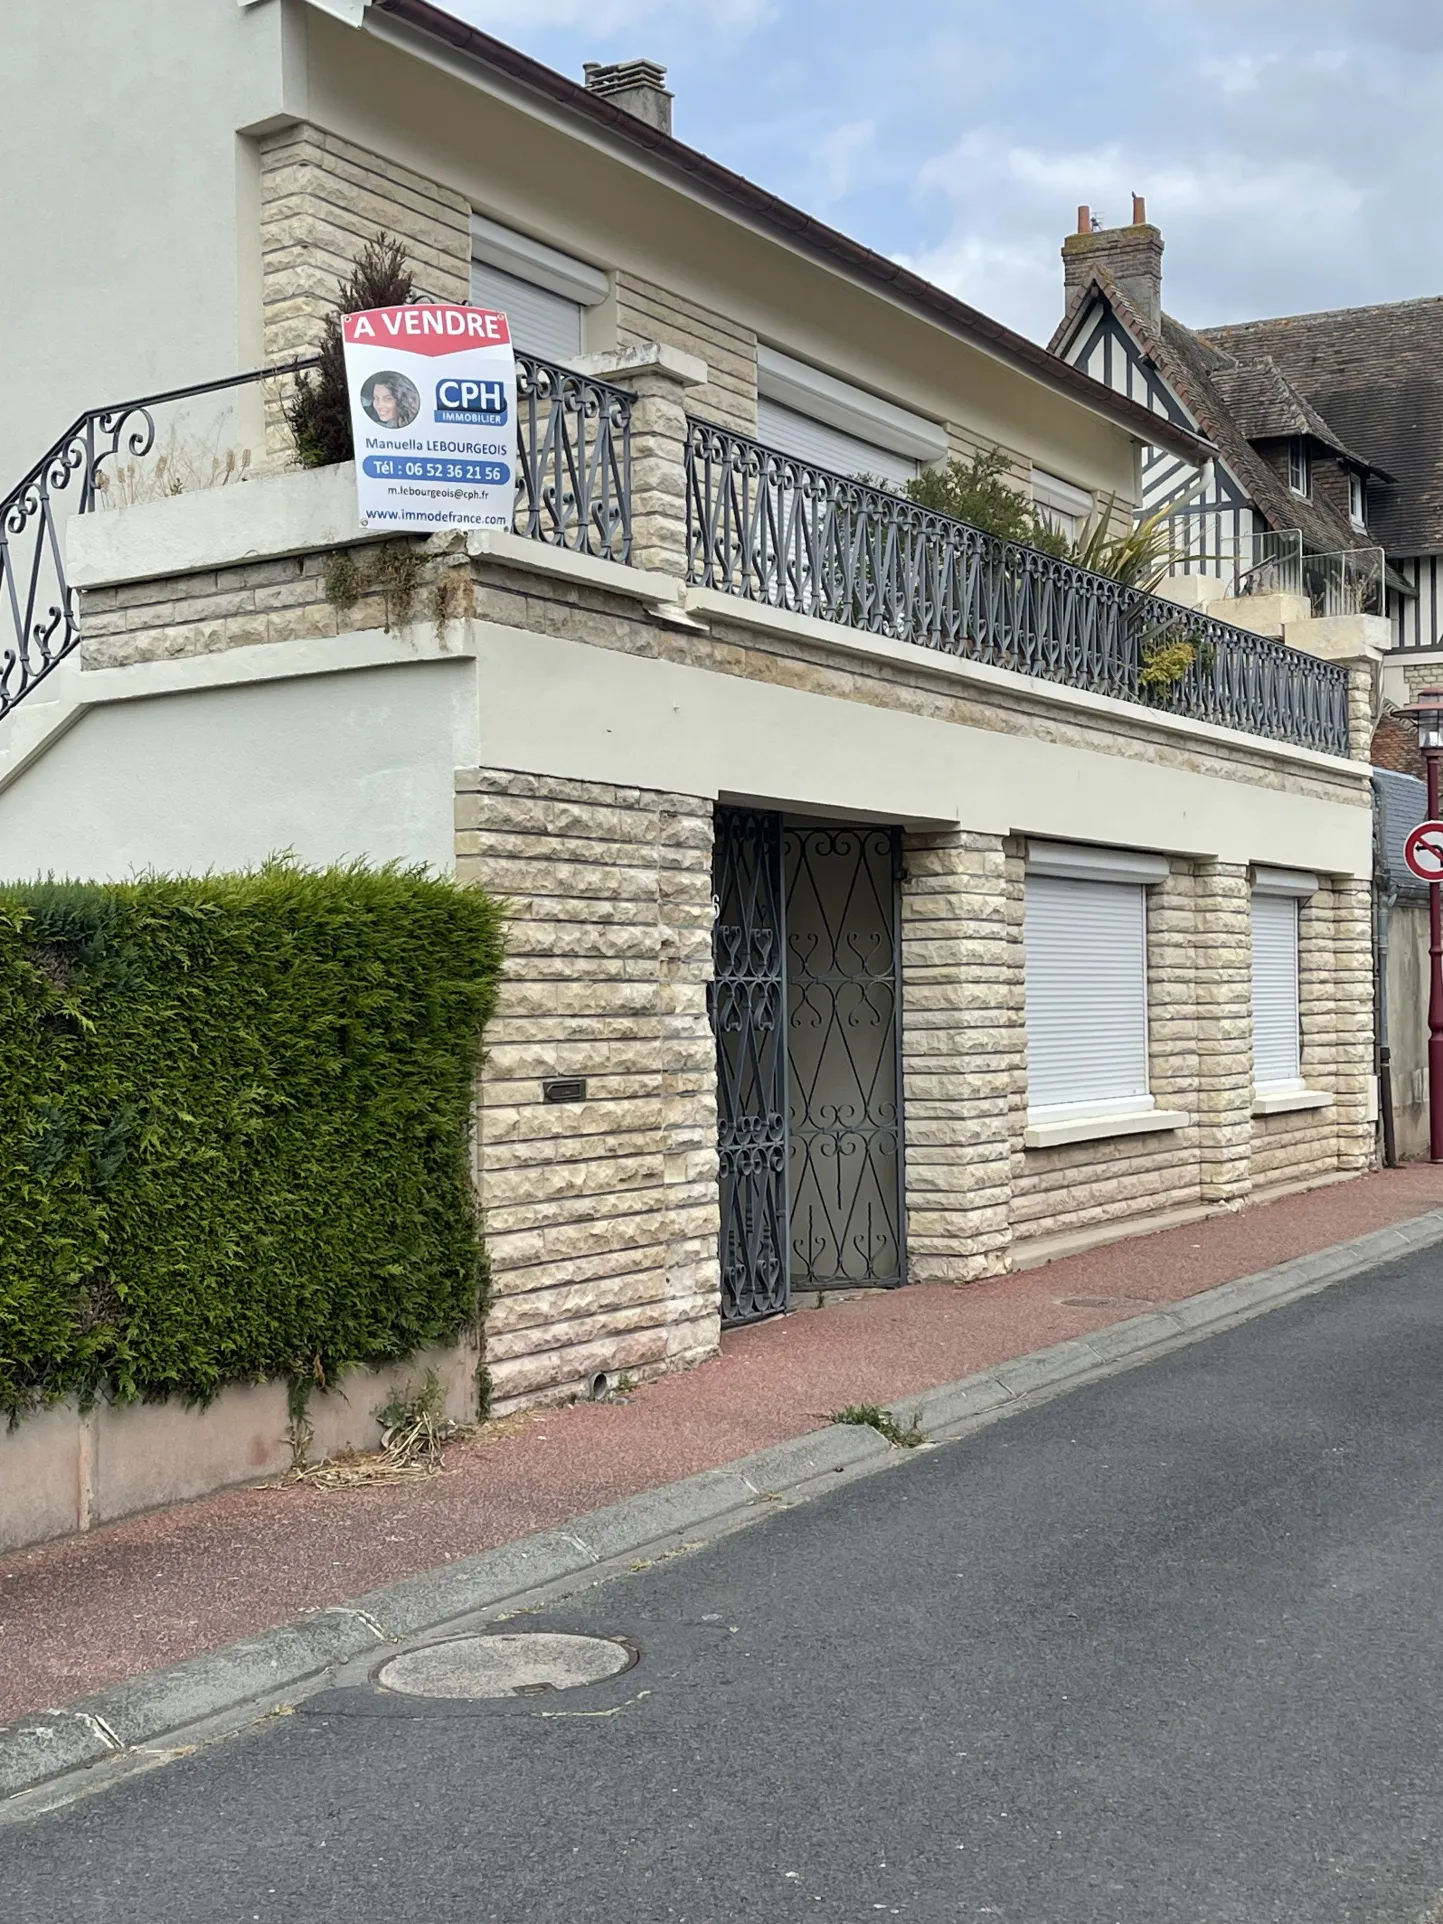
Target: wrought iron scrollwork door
<point>749,1017</point>
<point>844,1070</point>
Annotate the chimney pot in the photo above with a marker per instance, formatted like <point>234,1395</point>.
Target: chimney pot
<point>1132,256</point>
<point>636,86</point>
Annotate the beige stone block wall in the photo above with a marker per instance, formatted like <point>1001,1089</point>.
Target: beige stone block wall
<point>964,442</point>
<point>203,614</point>
<point>1222,968</point>
<point>647,312</point>
<point>322,199</point>
<point>1353,1065</point>
<point>600,1216</point>
<point>961,1044</point>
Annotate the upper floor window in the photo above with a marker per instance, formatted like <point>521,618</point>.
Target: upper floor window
<point>543,292</point>
<point>817,417</point>
<point>1061,505</point>
<point>1298,477</point>
<point>1357,500</point>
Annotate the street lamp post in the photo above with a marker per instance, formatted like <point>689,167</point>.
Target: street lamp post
<point>1427,711</point>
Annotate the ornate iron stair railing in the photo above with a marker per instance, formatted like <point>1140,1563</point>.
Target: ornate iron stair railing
<point>34,592</point>
<point>573,490</point>
<point>770,528</point>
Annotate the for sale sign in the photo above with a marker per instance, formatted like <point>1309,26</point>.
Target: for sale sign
<point>433,414</point>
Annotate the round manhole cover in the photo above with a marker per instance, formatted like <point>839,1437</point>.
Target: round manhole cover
<point>504,1666</point>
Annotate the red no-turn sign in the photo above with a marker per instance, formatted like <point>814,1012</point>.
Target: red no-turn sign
<point>1423,851</point>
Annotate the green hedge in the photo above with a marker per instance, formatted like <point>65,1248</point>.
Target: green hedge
<point>233,1127</point>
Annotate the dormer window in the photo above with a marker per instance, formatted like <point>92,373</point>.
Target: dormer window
<point>1357,501</point>
<point>1298,467</point>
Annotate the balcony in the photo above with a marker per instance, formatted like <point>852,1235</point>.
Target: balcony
<point>573,485</point>
<point>759,525</point>
<point>774,529</point>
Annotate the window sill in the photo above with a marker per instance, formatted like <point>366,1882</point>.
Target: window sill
<point>1140,1122</point>
<point>1279,1102</point>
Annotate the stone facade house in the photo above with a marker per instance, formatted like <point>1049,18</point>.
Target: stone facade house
<point>877,912</point>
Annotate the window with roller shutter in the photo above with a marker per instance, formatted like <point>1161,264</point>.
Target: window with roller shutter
<point>542,323</point>
<point>542,292</point>
<point>1085,936</point>
<point>1277,1038</point>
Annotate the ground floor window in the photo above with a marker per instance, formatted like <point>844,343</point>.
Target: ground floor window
<point>1277,1026</point>
<point>1086,979</point>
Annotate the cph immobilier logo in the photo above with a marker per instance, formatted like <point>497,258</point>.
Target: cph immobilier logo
<point>469,403</point>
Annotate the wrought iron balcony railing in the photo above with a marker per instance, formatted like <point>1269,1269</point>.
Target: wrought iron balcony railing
<point>573,482</point>
<point>774,529</point>
<point>573,488</point>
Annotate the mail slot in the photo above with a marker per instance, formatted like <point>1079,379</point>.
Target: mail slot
<point>564,1089</point>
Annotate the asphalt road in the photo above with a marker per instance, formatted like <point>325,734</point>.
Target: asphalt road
<point>1165,1651</point>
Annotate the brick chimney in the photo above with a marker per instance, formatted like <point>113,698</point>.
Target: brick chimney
<point>638,86</point>
<point>1132,255</point>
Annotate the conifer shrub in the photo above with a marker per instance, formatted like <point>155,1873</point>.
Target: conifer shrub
<point>319,411</point>
<point>234,1118</point>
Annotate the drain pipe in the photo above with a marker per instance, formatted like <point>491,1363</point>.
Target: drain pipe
<point>1385,894</point>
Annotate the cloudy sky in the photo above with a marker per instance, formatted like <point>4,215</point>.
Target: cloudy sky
<point>1290,150</point>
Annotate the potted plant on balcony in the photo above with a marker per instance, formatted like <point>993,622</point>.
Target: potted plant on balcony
<point>319,412</point>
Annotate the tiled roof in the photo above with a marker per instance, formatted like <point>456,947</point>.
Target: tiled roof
<point>1375,374</point>
<point>1400,802</point>
<point>1267,407</point>
<point>1324,530</point>
<point>1233,402</point>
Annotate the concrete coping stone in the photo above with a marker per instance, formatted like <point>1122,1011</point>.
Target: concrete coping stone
<point>44,1745</point>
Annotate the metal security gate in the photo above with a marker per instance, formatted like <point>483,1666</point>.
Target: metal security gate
<point>805,1010</point>
<point>843,1057</point>
<point>748,1015</point>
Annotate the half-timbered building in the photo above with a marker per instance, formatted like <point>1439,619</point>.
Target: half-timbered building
<point>1328,472</point>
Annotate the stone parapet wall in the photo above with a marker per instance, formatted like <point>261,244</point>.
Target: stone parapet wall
<point>601,1215</point>
<point>204,614</point>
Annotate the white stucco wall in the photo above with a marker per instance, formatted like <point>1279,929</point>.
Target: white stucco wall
<point>331,766</point>
<point>560,707</point>
<point>360,762</point>
<point>130,218</point>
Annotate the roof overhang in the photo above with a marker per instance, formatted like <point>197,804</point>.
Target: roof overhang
<point>426,31</point>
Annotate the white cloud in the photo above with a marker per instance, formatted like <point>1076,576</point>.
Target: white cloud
<point>1288,152</point>
<point>839,159</point>
<point>1014,203</point>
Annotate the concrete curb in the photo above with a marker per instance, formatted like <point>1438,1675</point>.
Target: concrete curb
<point>145,1710</point>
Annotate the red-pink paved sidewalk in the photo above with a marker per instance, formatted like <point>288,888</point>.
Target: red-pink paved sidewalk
<point>81,1614</point>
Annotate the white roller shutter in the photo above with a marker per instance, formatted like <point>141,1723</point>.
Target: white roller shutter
<point>828,447</point>
<point>1086,950</point>
<point>1277,1058</point>
<point>542,323</point>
